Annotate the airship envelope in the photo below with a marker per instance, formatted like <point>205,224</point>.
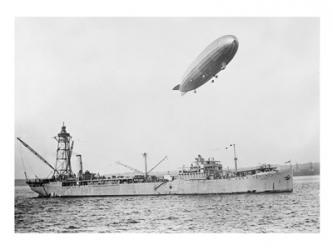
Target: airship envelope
<point>209,63</point>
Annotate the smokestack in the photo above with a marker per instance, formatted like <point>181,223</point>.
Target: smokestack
<point>81,166</point>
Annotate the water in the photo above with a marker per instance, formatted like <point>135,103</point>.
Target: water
<point>285,212</point>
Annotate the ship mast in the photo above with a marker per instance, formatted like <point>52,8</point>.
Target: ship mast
<point>235,155</point>
<point>146,171</point>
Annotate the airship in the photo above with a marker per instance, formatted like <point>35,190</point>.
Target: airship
<point>209,63</point>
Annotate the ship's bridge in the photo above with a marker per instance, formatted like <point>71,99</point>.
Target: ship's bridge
<point>202,169</point>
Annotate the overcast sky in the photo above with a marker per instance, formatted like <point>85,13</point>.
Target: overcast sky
<point>110,81</point>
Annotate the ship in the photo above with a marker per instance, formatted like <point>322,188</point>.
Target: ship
<point>202,177</point>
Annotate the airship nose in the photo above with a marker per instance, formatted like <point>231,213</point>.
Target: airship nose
<point>228,40</point>
<point>232,38</point>
<point>235,42</point>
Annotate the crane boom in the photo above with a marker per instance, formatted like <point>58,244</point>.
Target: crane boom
<point>157,164</point>
<point>129,167</point>
<point>35,153</point>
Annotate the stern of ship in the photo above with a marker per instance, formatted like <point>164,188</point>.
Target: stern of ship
<point>285,179</point>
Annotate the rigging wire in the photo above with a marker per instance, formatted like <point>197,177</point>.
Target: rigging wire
<point>30,169</point>
<point>22,160</point>
<point>25,167</point>
<point>49,174</point>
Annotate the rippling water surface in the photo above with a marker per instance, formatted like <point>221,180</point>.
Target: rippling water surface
<point>284,212</point>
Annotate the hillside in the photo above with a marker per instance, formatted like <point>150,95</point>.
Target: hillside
<point>310,168</point>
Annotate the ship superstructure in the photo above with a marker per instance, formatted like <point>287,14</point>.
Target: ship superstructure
<point>204,176</point>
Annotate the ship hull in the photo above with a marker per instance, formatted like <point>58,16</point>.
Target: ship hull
<point>280,181</point>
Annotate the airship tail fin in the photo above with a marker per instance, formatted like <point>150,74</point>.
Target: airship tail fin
<point>176,87</point>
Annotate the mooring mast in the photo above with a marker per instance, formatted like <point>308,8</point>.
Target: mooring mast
<point>64,152</point>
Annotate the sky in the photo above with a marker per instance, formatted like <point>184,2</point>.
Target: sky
<point>110,80</point>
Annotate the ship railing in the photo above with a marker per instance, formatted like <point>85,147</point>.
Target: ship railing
<point>37,181</point>
<point>101,181</point>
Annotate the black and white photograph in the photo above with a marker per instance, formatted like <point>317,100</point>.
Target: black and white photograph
<point>167,125</point>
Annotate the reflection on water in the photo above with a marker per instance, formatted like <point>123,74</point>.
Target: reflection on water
<point>285,212</point>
